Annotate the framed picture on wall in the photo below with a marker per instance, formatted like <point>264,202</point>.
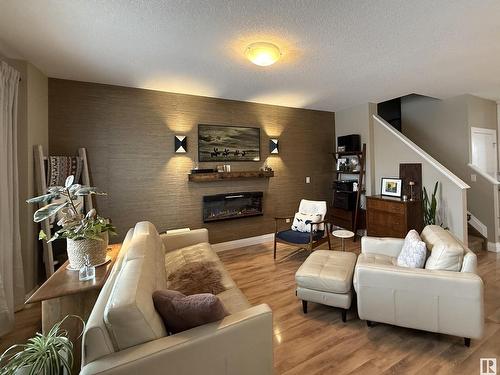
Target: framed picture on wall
<point>391,187</point>
<point>228,143</point>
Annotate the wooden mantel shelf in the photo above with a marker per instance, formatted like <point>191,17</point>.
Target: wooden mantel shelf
<point>219,176</point>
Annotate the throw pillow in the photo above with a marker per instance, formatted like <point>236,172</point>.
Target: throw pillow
<point>414,251</point>
<point>301,222</point>
<point>447,253</point>
<point>180,312</point>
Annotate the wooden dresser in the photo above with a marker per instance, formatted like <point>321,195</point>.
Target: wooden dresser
<point>392,217</point>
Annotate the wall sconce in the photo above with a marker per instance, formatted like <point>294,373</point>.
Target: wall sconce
<point>274,146</point>
<point>180,144</point>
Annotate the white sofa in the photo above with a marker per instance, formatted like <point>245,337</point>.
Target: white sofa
<point>125,335</point>
<point>449,302</point>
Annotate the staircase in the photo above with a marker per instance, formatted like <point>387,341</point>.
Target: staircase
<point>477,242</point>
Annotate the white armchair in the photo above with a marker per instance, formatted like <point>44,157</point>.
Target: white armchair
<point>438,301</point>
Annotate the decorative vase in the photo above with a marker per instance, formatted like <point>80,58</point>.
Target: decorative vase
<point>95,249</point>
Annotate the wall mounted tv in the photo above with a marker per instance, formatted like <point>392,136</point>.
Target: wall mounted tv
<point>228,143</point>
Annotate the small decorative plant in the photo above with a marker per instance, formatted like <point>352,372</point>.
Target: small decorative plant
<point>85,234</point>
<point>50,354</point>
<point>430,206</point>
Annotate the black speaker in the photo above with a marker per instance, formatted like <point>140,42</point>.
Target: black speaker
<point>349,143</point>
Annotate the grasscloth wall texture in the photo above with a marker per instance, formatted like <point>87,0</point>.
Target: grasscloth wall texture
<point>129,136</point>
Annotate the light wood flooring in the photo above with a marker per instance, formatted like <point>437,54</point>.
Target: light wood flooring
<point>319,343</point>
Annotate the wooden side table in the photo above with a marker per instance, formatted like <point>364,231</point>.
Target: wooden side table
<point>64,294</point>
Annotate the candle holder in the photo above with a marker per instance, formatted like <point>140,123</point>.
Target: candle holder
<point>412,196</point>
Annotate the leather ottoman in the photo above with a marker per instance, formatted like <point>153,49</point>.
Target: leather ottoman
<point>326,277</point>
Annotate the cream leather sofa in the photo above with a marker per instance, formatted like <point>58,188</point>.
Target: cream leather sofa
<point>449,302</point>
<point>125,335</point>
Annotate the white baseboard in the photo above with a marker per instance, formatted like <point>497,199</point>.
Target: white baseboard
<point>229,245</point>
<point>477,225</point>
<point>494,247</point>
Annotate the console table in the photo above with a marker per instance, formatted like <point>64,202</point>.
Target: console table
<point>392,217</point>
<point>64,294</point>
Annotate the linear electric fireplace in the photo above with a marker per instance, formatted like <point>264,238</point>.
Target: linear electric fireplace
<point>232,206</point>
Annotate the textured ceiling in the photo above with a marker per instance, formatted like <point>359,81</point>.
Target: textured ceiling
<point>335,53</point>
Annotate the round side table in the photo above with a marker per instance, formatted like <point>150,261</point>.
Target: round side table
<point>343,234</point>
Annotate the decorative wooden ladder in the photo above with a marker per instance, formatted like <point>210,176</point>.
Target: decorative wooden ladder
<point>41,183</point>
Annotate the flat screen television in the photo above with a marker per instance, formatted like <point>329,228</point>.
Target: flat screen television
<point>228,143</point>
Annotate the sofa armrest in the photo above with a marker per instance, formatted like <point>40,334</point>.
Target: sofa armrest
<point>437,301</point>
<point>241,343</point>
<point>175,241</point>
<point>382,245</point>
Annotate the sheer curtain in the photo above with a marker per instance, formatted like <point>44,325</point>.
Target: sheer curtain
<point>11,271</point>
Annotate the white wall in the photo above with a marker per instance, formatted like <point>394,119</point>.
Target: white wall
<point>391,148</point>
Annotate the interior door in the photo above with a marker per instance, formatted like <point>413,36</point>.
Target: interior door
<point>484,150</point>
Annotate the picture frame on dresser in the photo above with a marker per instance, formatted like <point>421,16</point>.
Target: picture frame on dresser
<point>391,187</point>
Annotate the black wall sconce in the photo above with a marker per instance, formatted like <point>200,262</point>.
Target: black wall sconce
<point>180,144</point>
<point>274,146</point>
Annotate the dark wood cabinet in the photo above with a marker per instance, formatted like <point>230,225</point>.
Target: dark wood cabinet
<point>392,217</point>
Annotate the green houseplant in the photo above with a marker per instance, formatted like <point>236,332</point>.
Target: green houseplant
<point>47,354</point>
<point>430,206</point>
<point>86,235</point>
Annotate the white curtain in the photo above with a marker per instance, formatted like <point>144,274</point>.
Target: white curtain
<point>11,270</point>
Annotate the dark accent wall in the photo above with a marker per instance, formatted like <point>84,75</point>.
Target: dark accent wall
<point>129,136</point>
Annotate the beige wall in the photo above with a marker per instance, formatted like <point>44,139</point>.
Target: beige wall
<point>129,134</point>
<point>390,151</point>
<point>442,128</point>
<point>358,120</point>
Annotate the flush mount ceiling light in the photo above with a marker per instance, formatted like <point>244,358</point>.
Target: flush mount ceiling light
<point>263,53</point>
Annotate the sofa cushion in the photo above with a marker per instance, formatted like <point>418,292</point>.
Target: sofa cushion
<point>234,300</point>
<point>130,315</point>
<point>414,251</point>
<point>327,271</point>
<point>180,312</point>
<point>302,222</point>
<point>446,251</point>
<point>298,237</point>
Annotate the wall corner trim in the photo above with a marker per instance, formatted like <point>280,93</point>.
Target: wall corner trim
<point>229,245</point>
<point>494,247</point>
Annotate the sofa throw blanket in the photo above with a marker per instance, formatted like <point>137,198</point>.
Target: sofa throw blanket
<point>302,222</point>
<point>60,167</point>
<point>196,278</point>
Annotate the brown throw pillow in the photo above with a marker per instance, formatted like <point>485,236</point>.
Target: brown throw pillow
<point>180,312</point>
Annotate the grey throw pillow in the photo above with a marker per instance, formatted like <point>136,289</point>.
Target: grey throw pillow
<point>414,251</point>
<point>180,312</point>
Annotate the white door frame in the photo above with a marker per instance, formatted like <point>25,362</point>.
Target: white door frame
<point>488,131</point>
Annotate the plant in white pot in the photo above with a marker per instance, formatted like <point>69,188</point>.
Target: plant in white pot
<point>49,354</point>
<point>86,235</point>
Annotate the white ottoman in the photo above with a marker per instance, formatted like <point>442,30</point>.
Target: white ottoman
<point>326,277</point>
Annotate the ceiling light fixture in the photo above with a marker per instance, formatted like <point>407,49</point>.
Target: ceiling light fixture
<point>263,53</point>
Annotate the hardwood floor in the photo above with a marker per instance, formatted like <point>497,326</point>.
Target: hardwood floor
<point>320,343</point>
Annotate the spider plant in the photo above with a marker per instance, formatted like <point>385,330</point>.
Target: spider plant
<point>47,354</point>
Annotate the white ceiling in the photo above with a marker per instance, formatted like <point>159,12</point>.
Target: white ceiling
<point>335,53</point>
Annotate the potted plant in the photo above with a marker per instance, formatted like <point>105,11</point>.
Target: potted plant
<point>50,354</point>
<point>86,235</point>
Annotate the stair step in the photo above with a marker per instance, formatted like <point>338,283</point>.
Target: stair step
<point>476,244</point>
